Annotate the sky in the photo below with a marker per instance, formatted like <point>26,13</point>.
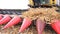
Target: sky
<point>14,4</point>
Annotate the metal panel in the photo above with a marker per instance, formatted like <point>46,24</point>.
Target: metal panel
<point>44,1</point>
<point>58,2</point>
<point>31,2</point>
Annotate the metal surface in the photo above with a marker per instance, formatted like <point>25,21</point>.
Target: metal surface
<point>11,12</point>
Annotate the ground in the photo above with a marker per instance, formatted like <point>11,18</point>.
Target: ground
<point>30,30</point>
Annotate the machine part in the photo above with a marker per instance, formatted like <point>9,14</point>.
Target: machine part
<point>12,12</point>
<point>40,25</point>
<point>56,25</point>
<point>1,16</point>
<point>5,19</point>
<point>31,2</point>
<point>42,2</point>
<point>26,22</point>
<point>35,13</point>
<point>58,2</point>
<point>12,22</point>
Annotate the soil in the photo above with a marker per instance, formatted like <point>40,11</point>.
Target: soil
<point>30,30</point>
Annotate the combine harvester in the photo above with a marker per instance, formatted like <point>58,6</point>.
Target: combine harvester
<point>10,14</point>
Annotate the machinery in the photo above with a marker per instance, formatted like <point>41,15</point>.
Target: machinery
<point>40,17</point>
<point>33,3</point>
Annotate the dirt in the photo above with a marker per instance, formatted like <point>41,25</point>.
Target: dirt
<point>30,30</point>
